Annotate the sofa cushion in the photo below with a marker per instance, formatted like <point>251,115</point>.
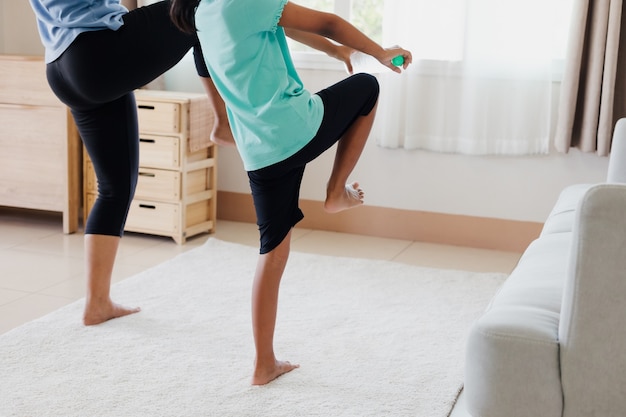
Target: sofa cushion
<point>512,360</point>
<point>591,332</point>
<point>561,217</point>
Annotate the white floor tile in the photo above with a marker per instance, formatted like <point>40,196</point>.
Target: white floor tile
<point>7,296</point>
<point>341,244</point>
<point>33,271</point>
<point>456,257</point>
<point>57,244</point>
<point>29,308</point>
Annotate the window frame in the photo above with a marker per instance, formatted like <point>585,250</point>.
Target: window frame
<point>316,60</point>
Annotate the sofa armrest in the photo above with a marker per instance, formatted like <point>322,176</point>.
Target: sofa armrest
<point>592,335</point>
<point>617,159</point>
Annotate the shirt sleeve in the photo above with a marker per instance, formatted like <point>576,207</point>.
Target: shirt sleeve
<point>264,15</point>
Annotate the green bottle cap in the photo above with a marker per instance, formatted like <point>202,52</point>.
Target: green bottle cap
<point>398,61</point>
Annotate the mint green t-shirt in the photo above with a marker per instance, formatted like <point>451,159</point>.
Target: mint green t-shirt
<point>272,115</point>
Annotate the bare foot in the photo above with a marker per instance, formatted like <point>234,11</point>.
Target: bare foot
<point>222,135</point>
<point>350,196</point>
<point>263,376</point>
<point>96,314</point>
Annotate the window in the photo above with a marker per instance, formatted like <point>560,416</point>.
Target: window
<point>367,15</point>
<point>484,77</point>
<point>450,30</point>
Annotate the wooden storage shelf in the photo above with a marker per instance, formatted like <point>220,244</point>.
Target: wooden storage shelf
<point>176,189</point>
<point>40,157</point>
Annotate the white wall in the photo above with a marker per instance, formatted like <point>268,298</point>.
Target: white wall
<point>2,27</point>
<point>18,29</point>
<point>512,188</point>
<point>519,188</point>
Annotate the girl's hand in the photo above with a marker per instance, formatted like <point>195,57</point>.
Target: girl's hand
<point>391,53</point>
<point>344,53</point>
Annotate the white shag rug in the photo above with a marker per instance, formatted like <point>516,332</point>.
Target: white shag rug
<point>373,338</point>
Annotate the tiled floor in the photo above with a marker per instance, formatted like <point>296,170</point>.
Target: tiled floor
<point>41,269</point>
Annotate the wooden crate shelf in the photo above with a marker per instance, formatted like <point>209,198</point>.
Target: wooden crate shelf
<point>176,189</point>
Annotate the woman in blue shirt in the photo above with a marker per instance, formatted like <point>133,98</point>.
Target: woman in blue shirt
<point>97,53</point>
<point>279,126</point>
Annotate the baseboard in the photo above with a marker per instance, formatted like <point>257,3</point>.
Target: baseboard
<point>448,229</point>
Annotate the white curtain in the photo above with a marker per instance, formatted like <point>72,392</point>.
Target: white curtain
<point>484,75</point>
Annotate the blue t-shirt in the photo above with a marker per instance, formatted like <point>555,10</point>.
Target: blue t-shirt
<point>272,115</point>
<point>61,21</point>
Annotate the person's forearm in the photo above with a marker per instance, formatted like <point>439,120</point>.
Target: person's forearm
<point>333,27</point>
<point>313,40</point>
<point>319,43</point>
<point>346,34</point>
<point>326,25</point>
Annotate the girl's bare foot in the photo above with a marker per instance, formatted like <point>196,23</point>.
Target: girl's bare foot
<point>222,135</point>
<point>263,375</point>
<point>96,314</point>
<point>350,196</point>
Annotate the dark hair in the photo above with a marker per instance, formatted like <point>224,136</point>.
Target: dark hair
<point>182,13</point>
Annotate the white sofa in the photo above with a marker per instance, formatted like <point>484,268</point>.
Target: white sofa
<point>552,342</point>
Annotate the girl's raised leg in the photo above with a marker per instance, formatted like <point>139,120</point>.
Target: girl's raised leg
<point>339,195</point>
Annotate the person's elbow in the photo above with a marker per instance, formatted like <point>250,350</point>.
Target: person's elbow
<point>328,26</point>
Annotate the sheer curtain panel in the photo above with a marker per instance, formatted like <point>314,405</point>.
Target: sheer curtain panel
<point>484,75</point>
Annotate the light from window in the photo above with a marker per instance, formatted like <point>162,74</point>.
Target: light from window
<point>366,15</point>
<point>514,32</point>
<point>432,30</point>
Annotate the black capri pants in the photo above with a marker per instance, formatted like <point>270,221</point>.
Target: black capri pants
<point>276,188</point>
<point>95,77</point>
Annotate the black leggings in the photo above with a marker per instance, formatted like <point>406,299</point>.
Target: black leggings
<point>276,188</point>
<point>95,77</point>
